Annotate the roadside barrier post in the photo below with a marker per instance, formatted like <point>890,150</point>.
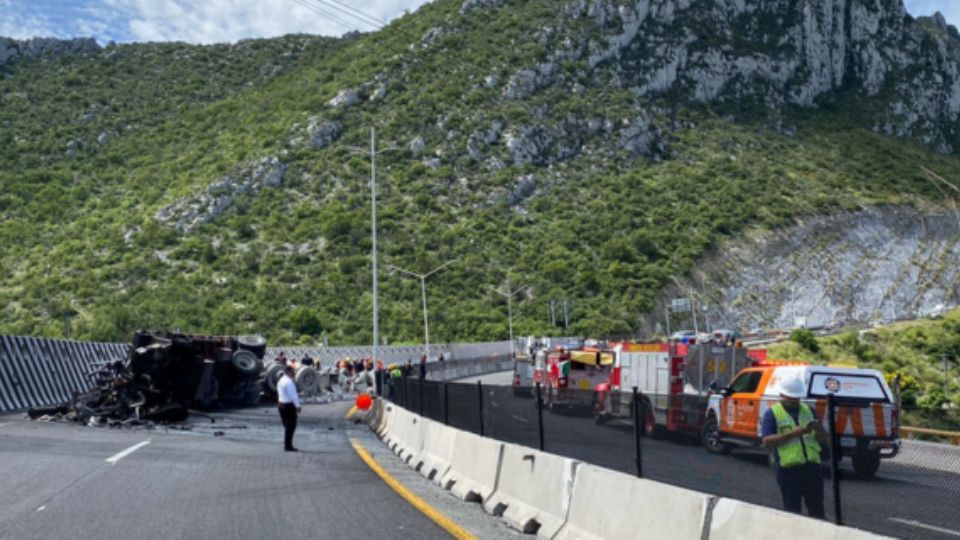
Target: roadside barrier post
<point>834,458</point>
<point>636,432</point>
<point>480,403</point>
<point>540,416</point>
<point>446,404</point>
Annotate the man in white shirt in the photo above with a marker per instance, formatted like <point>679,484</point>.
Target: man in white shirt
<point>289,404</point>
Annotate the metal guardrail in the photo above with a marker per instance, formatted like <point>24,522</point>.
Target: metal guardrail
<point>954,436</point>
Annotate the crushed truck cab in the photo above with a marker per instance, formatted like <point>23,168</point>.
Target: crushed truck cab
<point>867,416</point>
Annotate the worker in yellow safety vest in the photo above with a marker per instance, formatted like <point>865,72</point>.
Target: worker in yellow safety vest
<point>791,431</point>
<point>396,379</point>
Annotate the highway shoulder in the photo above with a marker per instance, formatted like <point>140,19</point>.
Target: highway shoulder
<point>469,517</point>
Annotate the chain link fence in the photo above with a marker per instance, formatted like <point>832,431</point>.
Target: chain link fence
<point>915,494</point>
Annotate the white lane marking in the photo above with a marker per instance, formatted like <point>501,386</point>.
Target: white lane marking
<point>42,508</point>
<point>913,523</point>
<point>519,419</point>
<point>117,457</point>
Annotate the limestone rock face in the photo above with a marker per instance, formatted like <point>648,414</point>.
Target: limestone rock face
<point>470,5</point>
<point>778,53</point>
<point>879,264</point>
<point>344,98</point>
<point>322,133</point>
<point>12,50</point>
<point>188,213</point>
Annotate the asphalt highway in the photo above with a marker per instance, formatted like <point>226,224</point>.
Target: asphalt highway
<point>915,495</point>
<point>66,481</point>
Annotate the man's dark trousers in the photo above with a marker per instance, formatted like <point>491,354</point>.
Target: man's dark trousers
<point>288,413</point>
<point>802,482</point>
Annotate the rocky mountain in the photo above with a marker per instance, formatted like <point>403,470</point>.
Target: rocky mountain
<point>881,264</point>
<point>607,153</point>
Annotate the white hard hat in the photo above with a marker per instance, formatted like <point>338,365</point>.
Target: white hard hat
<point>792,387</point>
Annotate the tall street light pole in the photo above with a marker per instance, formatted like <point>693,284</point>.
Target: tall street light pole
<point>423,295</point>
<point>509,296</point>
<point>373,236</point>
<point>373,233</point>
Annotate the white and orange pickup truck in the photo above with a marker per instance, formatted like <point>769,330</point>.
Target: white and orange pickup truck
<point>867,414</point>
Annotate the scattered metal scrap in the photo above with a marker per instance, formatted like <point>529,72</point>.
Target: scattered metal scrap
<point>165,375</point>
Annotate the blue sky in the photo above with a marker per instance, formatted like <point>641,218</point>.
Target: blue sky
<point>211,21</point>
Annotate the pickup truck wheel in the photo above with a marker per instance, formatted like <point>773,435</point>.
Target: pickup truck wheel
<point>866,463</point>
<point>710,436</point>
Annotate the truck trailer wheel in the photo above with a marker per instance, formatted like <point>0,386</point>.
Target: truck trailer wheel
<point>866,463</point>
<point>246,363</point>
<point>710,437</point>
<point>255,344</point>
<point>273,375</point>
<point>306,379</point>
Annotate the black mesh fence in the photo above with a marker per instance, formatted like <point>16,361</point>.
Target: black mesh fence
<point>915,494</point>
<point>510,417</point>
<point>912,494</point>
<point>464,401</point>
<point>433,399</point>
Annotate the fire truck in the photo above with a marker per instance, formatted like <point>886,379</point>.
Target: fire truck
<point>567,376</point>
<point>673,381</point>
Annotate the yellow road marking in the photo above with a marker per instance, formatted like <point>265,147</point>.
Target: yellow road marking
<point>443,521</point>
<point>351,412</point>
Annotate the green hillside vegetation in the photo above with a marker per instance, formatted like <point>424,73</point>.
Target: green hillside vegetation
<point>913,350</point>
<point>604,229</point>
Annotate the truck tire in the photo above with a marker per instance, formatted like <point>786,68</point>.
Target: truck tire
<point>273,375</point>
<point>710,437</point>
<point>255,344</point>
<point>866,463</point>
<point>306,379</point>
<point>246,362</point>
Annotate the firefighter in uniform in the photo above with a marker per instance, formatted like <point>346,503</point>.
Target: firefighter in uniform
<point>791,431</point>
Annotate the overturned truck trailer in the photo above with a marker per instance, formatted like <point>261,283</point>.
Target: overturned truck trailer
<point>165,374</point>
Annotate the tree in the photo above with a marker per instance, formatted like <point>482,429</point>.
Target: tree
<point>305,321</point>
<point>805,339</point>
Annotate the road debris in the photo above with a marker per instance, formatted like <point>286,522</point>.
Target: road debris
<point>165,375</point>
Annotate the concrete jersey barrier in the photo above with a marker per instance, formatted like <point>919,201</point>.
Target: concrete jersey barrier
<point>564,499</point>
<point>534,490</point>
<point>405,436</point>
<point>474,465</point>
<point>732,520</point>
<point>667,512</point>
<point>438,445</point>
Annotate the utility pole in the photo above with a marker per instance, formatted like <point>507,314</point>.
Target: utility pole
<point>566,314</point>
<point>423,295</point>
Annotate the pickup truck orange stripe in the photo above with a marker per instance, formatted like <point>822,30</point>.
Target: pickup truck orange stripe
<point>851,416</point>
<point>821,409</point>
<point>878,420</point>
